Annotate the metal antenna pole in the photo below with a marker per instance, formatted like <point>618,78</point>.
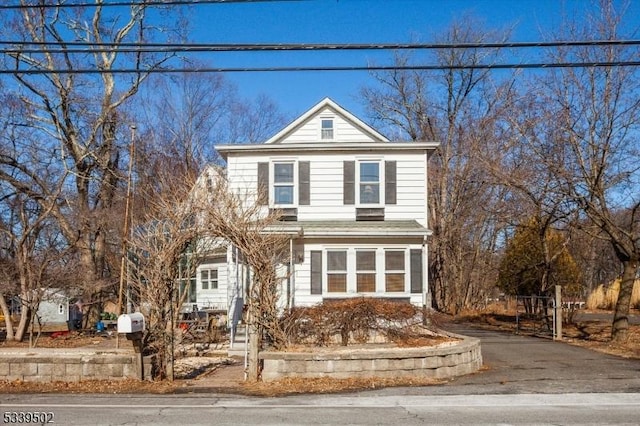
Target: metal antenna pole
<point>125,231</point>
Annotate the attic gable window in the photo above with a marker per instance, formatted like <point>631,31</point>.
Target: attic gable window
<point>326,132</point>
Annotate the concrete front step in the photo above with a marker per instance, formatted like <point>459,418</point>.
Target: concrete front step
<point>238,346</point>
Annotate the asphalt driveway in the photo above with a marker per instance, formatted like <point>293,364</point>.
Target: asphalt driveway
<point>516,364</point>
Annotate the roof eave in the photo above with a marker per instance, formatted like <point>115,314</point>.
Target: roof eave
<point>225,150</point>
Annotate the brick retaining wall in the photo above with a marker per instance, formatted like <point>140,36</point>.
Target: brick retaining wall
<point>50,365</point>
<point>438,362</point>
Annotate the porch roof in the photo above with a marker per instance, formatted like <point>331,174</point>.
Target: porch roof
<point>340,228</point>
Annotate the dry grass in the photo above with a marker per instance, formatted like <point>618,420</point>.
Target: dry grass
<point>605,297</point>
<point>283,387</point>
<point>597,336</point>
<point>125,386</point>
<point>66,340</point>
<point>323,385</point>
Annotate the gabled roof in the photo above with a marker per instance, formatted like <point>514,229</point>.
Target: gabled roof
<point>338,110</point>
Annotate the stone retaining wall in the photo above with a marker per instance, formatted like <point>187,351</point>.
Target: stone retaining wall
<point>438,362</point>
<point>70,366</point>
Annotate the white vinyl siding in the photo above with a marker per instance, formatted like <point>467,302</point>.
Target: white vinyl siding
<point>311,131</point>
<point>214,296</point>
<point>360,266</point>
<point>326,186</point>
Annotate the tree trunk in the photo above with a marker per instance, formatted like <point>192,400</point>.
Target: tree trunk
<point>620,326</point>
<point>23,325</point>
<point>253,361</point>
<point>7,317</point>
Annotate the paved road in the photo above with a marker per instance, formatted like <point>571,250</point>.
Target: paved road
<point>352,409</point>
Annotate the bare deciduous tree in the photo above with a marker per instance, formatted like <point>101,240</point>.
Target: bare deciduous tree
<point>33,257</point>
<point>596,117</point>
<point>458,108</point>
<point>184,113</point>
<point>74,120</point>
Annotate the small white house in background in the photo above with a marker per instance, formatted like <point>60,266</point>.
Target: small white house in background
<point>53,310</point>
<point>354,205</point>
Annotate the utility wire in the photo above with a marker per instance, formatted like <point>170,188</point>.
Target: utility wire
<point>88,47</point>
<point>314,46</point>
<point>138,3</point>
<point>323,68</point>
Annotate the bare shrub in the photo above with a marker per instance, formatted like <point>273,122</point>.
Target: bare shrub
<point>347,321</point>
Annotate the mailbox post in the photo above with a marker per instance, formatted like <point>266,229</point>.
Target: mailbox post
<point>133,326</point>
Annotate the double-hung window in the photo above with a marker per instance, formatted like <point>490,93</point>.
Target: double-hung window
<point>326,130</point>
<point>283,183</point>
<point>369,178</point>
<point>336,271</point>
<point>209,279</point>
<point>366,271</point>
<point>394,270</point>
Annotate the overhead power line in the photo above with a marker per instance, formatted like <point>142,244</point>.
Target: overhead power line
<point>324,68</point>
<point>120,3</point>
<point>18,47</point>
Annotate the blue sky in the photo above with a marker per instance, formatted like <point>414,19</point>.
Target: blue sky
<point>354,21</point>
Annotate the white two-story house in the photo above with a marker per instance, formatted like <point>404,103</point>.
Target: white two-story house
<point>354,204</point>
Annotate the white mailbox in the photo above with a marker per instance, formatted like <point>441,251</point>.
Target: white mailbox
<point>131,323</point>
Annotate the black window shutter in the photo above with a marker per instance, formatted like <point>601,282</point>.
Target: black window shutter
<point>416,271</point>
<point>316,272</point>
<point>263,184</point>
<point>304,196</point>
<point>349,176</point>
<point>390,182</point>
